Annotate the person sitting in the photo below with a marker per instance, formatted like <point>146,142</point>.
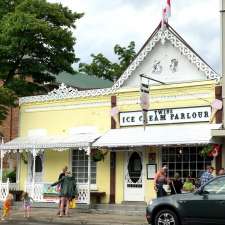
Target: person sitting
<point>176,185</point>
<point>221,172</point>
<point>207,175</point>
<point>188,185</point>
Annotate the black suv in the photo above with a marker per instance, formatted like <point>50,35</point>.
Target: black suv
<point>205,206</point>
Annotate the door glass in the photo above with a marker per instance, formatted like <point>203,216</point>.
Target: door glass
<point>38,168</point>
<point>217,186</point>
<point>38,164</point>
<point>135,167</point>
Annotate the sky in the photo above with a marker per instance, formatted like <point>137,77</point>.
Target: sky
<point>107,23</point>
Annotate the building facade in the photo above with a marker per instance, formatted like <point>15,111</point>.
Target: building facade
<point>70,127</point>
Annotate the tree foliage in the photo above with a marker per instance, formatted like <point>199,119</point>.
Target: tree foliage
<point>36,41</point>
<point>103,67</point>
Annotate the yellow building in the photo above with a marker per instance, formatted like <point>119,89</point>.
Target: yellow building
<point>69,127</point>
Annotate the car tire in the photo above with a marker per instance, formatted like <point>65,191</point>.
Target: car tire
<point>166,216</point>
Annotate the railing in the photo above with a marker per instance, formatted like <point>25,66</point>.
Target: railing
<point>37,192</point>
<point>6,187</point>
<point>4,190</point>
<point>82,193</point>
<point>13,186</point>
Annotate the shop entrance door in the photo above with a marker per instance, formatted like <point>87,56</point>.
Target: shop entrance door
<point>134,185</point>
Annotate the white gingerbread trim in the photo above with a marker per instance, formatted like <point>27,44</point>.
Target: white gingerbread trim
<point>161,35</point>
<point>64,92</point>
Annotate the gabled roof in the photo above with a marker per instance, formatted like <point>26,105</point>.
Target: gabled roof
<point>167,33</point>
<point>160,34</point>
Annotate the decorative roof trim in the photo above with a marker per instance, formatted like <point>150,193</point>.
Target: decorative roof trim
<point>37,150</point>
<point>44,146</point>
<point>163,35</point>
<point>64,92</point>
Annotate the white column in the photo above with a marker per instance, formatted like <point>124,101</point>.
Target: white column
<point>2,157</point>
<point>89,175</point>
<point>34,154</point>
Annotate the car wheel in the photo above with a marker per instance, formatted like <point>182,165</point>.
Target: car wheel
<point>166,217</point>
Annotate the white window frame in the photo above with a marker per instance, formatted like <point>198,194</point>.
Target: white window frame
<point>93,186</point>
<point>189,162</point>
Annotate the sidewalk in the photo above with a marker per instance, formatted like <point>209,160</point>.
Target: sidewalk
<point>48,216</point>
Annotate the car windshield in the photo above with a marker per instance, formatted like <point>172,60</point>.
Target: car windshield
<point>217,186</point>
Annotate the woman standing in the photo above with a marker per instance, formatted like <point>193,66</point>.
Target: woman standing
<point>159,181</point>
<point>68,191</point>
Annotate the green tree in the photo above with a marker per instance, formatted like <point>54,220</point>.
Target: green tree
<point>36,41</point>
<point>103,67</point>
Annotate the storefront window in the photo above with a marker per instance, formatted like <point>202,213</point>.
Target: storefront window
<point>80,167</point>
<point>184,160</point>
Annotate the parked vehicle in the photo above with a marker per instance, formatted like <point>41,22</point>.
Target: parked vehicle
<point>204,206</point>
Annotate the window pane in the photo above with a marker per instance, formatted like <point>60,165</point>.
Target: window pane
<point>185,160</point>
<point>172,158</point>
<point>80,167</point>
<point>186,166</point>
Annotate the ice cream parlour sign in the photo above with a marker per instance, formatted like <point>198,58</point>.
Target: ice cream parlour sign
<point>164,116</point>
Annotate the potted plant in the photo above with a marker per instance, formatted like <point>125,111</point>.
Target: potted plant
<point>12,176</point>
<point>206,150</point>
<point>98,155</point>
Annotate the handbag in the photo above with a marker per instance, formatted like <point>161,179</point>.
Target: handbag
<point>72,203</point>
<point>166,188</point>
<point>58,188</point>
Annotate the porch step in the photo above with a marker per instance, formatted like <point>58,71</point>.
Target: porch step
<point>120,209</point>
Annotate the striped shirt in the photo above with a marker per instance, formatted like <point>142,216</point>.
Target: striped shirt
<point>206,176</point>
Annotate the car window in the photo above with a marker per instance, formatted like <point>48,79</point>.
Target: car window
<point>217,186</point>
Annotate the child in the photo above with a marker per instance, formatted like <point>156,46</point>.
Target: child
<point>27,204</point>
<point>7,206</point>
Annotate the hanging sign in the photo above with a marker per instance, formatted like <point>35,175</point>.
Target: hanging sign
<point>144,102</point>
<point>216,106</point>
<point>114,114</point>
<point>166,116</point>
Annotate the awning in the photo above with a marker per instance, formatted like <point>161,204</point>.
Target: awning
<point>47,142</point>
<point>176,134</point>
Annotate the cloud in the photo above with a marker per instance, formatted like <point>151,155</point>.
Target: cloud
<point>107,23</point>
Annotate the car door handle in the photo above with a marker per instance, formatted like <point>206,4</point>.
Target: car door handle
<point>182,201</point>
<point>222,202</point>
